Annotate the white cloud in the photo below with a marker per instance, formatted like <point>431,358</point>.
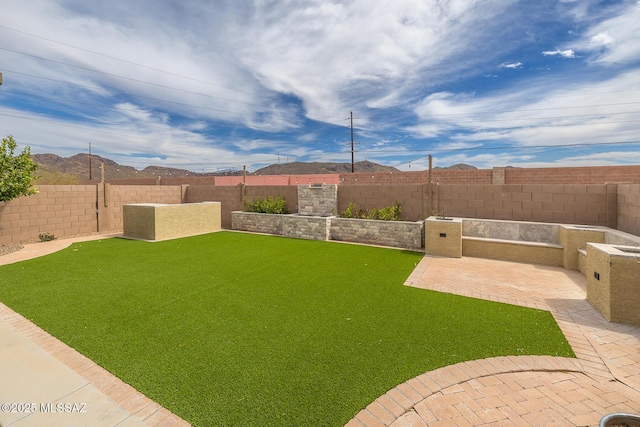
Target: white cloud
<point>566,53</point>
<point>338,56</point>
<point>511,65</point>
<point>601,39</point>
<point>616,40</point>
<point>544,112</point>
<point>263,65</point>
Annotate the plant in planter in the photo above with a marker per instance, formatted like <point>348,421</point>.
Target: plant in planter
<point>268,205</point>
<point>440,215</point>
<point>389,213</point>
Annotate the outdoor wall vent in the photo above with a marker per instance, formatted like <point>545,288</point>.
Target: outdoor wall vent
<point>315,186</point>
<point>443,234</point>
<point>596,275</point>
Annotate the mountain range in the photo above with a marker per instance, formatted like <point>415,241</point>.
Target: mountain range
<point>54,169</point>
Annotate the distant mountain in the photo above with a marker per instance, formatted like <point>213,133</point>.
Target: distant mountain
<point>301,168</point>
<point>459,166</point>
<point>54,169</point>
<point>78,166</point>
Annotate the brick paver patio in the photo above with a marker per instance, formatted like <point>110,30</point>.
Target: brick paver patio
<point>519,390</point>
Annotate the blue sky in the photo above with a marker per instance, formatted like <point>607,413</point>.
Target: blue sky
<point>214,85</point>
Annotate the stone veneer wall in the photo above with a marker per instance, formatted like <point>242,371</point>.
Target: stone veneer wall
<point>306,227</point>
<point>317,200</point>
<point>399,234</point>
<point>257,222</point>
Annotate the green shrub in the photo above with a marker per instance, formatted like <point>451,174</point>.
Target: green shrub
<point>268,205</point>
<point>389,213</point>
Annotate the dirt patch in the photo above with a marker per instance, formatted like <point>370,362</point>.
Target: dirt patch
<point>11,247</point>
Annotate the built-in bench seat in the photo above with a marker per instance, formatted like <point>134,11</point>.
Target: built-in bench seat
<point>539,243</point>
<point>535,243</point>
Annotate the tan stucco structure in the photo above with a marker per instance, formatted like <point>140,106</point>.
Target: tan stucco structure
<point>613,281</point>
<point>574,237</point>
<point>529,252</point>
<point>443,237</point>
<point>156,221</point>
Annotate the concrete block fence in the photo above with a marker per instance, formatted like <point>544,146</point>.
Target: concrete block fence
<point>66,210</point>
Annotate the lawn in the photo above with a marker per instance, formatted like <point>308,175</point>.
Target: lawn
<point>239,329</point>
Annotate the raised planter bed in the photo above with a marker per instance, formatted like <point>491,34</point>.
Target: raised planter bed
<point>257,222</point>
<point>399,234</point>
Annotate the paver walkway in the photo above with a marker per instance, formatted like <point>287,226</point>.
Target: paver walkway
<point>37,369</point>
<point>519,390</point>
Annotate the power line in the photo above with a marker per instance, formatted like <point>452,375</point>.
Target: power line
<point>155,99</point>
<point>128,78</point>
<point>533,109</point>
<point>124,60</point>
<point>86,126</point>
<point>527,147</point>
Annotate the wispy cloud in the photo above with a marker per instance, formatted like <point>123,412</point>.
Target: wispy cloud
<point>223,82</point>
<point>566,53</point>
<point>511,65</point>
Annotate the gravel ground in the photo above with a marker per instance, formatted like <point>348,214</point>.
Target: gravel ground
<point>11,247</point>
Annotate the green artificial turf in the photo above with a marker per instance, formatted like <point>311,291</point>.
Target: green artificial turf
<point>240,329</point>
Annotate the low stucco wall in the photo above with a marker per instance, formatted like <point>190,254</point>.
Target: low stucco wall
<point>613,284</point>
<point>153,221</point>
<point>529,252</point>
<point>574,238</point>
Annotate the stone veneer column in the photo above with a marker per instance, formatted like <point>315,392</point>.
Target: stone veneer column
<point>317,199</point>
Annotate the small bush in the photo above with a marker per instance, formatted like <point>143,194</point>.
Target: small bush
<point>46,237</point>
<point>390,213</point>
<point>268,205</point>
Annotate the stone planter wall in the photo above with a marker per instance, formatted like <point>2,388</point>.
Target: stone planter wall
<point>257,222</point>
<point>398,234</point>
<point>306,227</point>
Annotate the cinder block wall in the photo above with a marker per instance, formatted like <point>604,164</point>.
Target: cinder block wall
<point>413,198</point>
<point>564,203</point>
<point>441,176</point>
<point>67,210</point>
<point>231,197</point>
<point>61,210</point>
<point>115,196</point>
<point>574,175</point>
<point>629,208</point>
<point>499,175</point>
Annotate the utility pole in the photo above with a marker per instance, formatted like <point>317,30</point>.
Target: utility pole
<point>352,159</point>
<point>90,172</point>
<point>430,190</point>
<point>0,78</point>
